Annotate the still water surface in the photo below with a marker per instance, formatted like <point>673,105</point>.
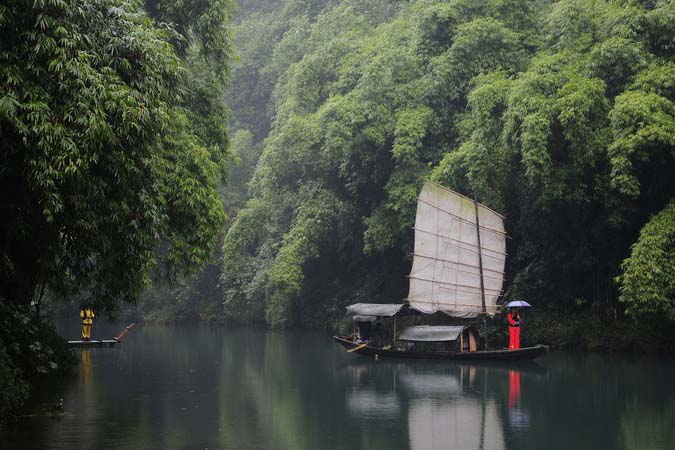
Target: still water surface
<point>200,388</point>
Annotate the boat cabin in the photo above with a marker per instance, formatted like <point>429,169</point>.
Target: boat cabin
<point>429,338</point>
<point>367,319</point>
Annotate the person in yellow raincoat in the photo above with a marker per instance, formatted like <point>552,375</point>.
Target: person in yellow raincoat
<point>87,315</point>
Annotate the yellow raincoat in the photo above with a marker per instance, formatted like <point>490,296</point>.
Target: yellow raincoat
<point>87,315</point>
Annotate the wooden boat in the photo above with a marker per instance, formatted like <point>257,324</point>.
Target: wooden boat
<point>103,342</point>
<point>458,269</point>
<point>525,353</point>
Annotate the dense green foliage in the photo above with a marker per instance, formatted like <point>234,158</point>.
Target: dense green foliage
<point>113,145</point>
<point>13,389</point>
<point>648,281</point>
<point>28,349</point>
<point>108,146</point>
<point>558,114</point>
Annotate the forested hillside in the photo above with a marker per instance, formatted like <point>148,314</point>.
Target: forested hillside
<point>560,115</point>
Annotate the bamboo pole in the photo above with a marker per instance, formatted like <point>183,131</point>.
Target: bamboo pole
<point>480,267</point>
<point>394,339</point>
<point>124,332</point>
<point>358,347</point>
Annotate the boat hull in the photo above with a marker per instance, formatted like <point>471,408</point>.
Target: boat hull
<point>521,354</point>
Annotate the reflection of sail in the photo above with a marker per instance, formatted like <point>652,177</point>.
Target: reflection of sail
<point>431,384</point>
<point>446,413</point>
<point>369,403</point>
<point>464,424</point>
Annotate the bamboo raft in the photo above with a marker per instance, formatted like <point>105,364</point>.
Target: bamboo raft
<point>103,342</point>
<point>94,343</point>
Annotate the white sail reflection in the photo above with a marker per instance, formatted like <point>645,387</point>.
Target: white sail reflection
<point>368,403</point>
<point>464,424</point>
<point>447,411</point>
<point>449,408</point>
<point>431,385</point>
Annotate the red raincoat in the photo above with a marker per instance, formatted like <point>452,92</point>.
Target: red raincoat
<point>514,330</point>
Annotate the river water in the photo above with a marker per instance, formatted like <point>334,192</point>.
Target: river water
<point>202,388</point>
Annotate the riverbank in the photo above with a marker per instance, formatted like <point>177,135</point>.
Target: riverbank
<point>584,331</point>
<point>30,350</point>
<point>580,330</point>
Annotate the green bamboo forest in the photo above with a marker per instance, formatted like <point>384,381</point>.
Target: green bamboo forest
<point>259,164</point>
<point>557,114</point>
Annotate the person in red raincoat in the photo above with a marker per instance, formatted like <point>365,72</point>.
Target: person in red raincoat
<point>514,329</point>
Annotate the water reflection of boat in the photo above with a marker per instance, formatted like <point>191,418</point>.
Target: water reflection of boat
<point>441,415</point>
<point>444,407</point>
<point>469,425</point>
<point>458,269</point>
<point>431,385</point>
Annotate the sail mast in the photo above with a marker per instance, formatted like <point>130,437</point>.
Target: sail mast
<point>480,268</point>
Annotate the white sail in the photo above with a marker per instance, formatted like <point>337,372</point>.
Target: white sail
<point>446,273</point>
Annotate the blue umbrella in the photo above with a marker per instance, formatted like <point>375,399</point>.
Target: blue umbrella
<point>518,304</point>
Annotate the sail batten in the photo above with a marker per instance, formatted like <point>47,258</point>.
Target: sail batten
<point>465,220</point>
<point>446,275</point>
<point>495,254</point>
<point>501,277</point>
<point>461,243</point>
<point>454,284</point>
<point>499,272</point>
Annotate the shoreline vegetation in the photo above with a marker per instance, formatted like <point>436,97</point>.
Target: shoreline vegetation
<point>32,352</point>
<point>585,331</point>
<point>578,330</point>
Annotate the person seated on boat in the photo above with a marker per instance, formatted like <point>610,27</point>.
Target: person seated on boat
<point>377,337</point>
<point>87,315</point>
<point>362,332</point>
<point>513,319</point>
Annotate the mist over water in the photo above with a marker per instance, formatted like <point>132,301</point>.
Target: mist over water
<point>196,388</point>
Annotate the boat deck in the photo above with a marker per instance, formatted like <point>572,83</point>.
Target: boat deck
<point>94,343</point>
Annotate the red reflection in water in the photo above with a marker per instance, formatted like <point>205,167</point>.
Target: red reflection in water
<point>514,388</point>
